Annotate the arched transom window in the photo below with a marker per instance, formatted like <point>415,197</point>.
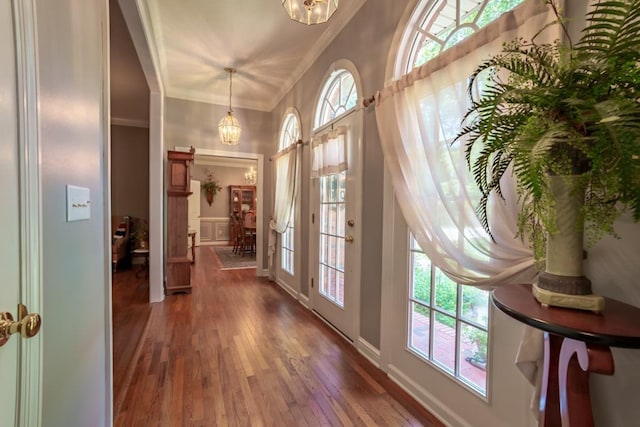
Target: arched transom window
<point>441,24</point>
<point>290,131</point>
<point>339,95</point>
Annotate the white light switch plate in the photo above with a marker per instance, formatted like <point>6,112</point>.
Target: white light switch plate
<point>78,203</point>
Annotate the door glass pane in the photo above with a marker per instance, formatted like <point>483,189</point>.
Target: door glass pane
<point>475,305</point>
<point>419,331</point>
<point>332,208</point>
<point>473,360</point>
<point>446,292</point>
<point>421,289</point>
<point>444,341</point>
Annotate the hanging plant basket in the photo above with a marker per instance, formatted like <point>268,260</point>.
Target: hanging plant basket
<point>210,196</point>
<point>210,187</point>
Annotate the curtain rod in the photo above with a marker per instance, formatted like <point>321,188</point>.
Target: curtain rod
<point>298,142</point>
<point>369,101</point>
<point>365,104</point>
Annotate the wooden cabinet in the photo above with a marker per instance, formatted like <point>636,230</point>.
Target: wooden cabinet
<point>178,183</point>
<point>242,198</point>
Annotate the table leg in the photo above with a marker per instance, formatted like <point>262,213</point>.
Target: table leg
<point>549,406</point>
<point>565,396</point>
<point>577,361</point>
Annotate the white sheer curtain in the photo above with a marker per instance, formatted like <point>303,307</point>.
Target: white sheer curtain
<point>418,117</point>
<point>285,164</point>
<point>329,152</point>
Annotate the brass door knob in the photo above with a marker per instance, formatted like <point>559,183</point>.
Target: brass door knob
<point>28,325</point>
<point>348,239</point>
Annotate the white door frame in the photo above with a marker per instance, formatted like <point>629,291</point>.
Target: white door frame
<point>259,158</point>
<point>194,204</point>
<point>28,402</point>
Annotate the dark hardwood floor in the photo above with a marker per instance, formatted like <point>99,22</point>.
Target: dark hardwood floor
<point>239,351</point>
<point>131,310</point>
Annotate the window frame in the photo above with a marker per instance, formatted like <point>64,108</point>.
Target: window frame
<point>459,319</point>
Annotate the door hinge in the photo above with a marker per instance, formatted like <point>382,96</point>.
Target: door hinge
<point>312,282</point>
<point>313,218</point>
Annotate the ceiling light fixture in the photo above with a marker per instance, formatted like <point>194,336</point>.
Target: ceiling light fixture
<point>229,127</point>
<point>251,177</point>
<point>310,11</point>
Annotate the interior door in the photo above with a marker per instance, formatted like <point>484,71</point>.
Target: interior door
<point>19,401</point>
<point>9,216</point>
<point>194,210</point>
<point>336,208</point>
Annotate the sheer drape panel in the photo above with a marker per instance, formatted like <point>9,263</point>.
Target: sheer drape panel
<point>286,188</point>
<point>418,117</point>
<point>329,153</point>
<point>285,165</point>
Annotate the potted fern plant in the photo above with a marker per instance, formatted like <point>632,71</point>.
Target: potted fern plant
<point>565,119</point>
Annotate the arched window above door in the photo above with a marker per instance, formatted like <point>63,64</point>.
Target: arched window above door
<point>436,25</point>
<point>290,130</point>
<point>338,96</point>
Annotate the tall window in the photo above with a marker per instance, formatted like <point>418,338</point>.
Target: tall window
<point>447,323</point>
<point>289,135</point>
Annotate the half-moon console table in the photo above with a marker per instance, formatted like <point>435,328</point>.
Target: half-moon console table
<point>576,343</point>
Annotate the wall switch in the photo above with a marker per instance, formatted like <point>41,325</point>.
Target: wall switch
<point>78,203</point>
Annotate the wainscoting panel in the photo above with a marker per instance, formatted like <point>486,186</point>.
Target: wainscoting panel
<point>214,231</point>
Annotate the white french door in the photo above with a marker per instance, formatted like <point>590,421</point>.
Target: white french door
<point>336,229</point>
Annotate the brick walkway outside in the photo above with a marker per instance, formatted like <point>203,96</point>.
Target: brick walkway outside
<point>444,348</point>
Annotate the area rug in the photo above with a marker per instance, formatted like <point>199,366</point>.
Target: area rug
<point>227,260</point>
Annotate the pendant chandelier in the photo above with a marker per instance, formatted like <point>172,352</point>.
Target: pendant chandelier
<point>229,127</point>
<point>310,11</point>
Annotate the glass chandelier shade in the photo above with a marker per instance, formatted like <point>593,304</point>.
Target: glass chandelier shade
<point>229,127</point>
<point>310,12</point>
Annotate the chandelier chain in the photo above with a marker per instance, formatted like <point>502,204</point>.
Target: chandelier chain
<point>230,71</point>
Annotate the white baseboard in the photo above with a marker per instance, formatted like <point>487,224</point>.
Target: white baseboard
<point>426,399</point>
<point>369,351</point>
<point>287,288</point>
<point>304,300</point>
<point>265,273</point>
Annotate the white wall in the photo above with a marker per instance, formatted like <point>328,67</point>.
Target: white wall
<point>71,42</point>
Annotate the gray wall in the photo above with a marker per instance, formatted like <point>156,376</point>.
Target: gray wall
<point>130,171</point>
<point>227,176</point>
<point>365,41</point>
<point>72,117</point>
<point>195,124</point>
<point>129,89</point>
